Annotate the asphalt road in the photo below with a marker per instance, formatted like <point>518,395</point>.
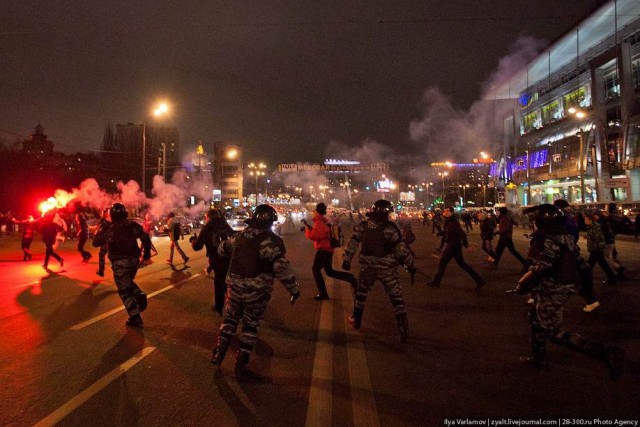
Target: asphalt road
<point>66,356</point>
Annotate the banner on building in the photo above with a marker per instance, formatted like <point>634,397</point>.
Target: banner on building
<point>335,168</point>
<point>616,182</point>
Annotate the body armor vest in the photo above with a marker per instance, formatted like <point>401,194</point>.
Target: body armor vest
<point>246,260</point>
<point>123,240</point>
<point>373,241</point>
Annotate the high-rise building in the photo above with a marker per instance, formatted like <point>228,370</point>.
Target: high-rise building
<point>227,172</point>
<point>161,149</point>
<point>573,129</point>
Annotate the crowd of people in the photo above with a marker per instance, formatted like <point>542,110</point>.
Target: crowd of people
<point>245,264</point>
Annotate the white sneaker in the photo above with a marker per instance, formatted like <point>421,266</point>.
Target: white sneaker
<point>590,307</point>
<point>530,301</point>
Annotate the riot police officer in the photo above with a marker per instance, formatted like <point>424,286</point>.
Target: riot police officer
<point>122,237</point>
<point>382,249</point>
<point>257,257</point>
<point>551,280</point>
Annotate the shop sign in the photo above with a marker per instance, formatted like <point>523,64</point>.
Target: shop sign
<point>616,183</point>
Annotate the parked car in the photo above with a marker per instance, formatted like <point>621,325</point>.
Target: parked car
<point>237,220</point>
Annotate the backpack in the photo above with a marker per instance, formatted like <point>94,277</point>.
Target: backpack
<point>336,238</point>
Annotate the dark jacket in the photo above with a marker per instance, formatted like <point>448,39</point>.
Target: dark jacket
<point>607,230</point>
<point>487,228</point>
<point>49,231</point>
<point>213,232</point>
<point>505,227</point>
<point>453,235</point>
<point>122,238</point>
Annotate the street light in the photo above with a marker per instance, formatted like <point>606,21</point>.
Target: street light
<point>160,110</point>
<point>484,194</point>
<point>257,170</point>
<point>604,149</point>
<point>464,193</point>
<point>443,175</point>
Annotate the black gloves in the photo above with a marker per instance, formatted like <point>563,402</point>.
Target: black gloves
<point>346,265</point>
<point>294,297</point>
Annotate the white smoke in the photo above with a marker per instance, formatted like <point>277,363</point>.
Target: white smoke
<point>523,50</point>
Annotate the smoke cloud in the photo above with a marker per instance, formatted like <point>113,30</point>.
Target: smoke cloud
<point>523,51</point>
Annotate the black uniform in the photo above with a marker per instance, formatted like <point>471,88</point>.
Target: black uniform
<point>124,253</point>
<point>82,235</point>
<point>212,234</point>
<point>50,230</point>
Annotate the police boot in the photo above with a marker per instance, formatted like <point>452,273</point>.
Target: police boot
<point>242,358</point>
<point>356,319</point>
<point>403,326</point>
<point>220,351</point>
<point>141,300</point>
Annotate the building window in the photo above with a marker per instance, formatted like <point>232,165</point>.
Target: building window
<point>611,84</point>
<point>551,112</point>
<point>635,73</point>
<point>531,122</point>
<point>576,99</point>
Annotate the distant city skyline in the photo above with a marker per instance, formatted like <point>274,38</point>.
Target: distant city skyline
<point>284,81</point>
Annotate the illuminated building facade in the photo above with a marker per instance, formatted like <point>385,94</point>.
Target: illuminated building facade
<point>227,173</point>
<point>574,127</point>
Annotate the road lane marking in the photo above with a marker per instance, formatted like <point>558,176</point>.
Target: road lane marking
<point>363,401</point>
<point>320,407</point>
<point>79,399</point>
<point>103,316</point>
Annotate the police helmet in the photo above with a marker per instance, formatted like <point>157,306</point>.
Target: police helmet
<point>264,216</point>
<point>545,215</point>
<point>380,209</point>
<point>118,212</point>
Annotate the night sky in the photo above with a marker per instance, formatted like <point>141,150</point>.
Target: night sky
<point>282,78</point>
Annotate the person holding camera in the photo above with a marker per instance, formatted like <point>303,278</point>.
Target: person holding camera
<point>212,234</point>
<point>320,233</point>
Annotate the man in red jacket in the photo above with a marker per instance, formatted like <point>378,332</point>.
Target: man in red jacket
<point>319,233</point>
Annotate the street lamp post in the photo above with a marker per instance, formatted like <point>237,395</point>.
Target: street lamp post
<point>257,170</point>
<point>443,175</point>
<point>162,109</point>
<point>464,193</point>
<point>581,170</point>
<point>604,150</point>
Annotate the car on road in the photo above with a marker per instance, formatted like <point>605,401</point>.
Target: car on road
<point>237,220</point>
